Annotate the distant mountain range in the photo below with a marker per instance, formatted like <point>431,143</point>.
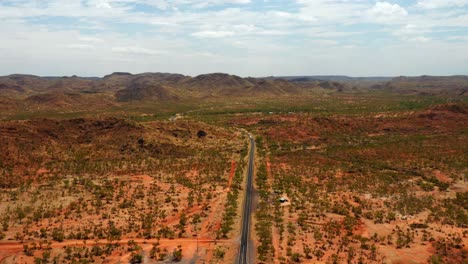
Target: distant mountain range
<point>33,92</point>
<point>334,78</point>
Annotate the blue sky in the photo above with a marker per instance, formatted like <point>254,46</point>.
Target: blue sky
<point>243,37</point>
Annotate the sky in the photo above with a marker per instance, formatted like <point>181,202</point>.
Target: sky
<point>242,37</point>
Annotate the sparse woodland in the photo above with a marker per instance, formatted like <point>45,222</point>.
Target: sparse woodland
<point>364,176</point>
<point>109,187</point>
<point>362,189</point>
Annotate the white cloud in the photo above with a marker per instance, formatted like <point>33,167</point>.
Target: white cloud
<point>386,12</point>
<point>236,36</point>
<point>332,11</point>
<point>408,29</point>
<point>224,31</point>
<point>413,33</point>
<point>167,4</point>
<point>433,4</point>
<point>137,51</point>
<point>80,46</point>
<point>420,39</point>
<point>64,8</point>
<point>100,3</point>
<point>213,34</point>
<point>459,38</point>
<point>326,42</point>
<point>90,39</point>
<point>292,16</point>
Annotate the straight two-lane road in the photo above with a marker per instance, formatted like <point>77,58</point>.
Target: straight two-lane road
<point>243,257</point>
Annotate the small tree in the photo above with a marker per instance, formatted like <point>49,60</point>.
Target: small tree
<point>154,251</point>
<point>219,253</point>
<point>307,252</point>
<point>177,254</point>
<point>296,257</point>
<point>136,258</point>
<point>27,251</point>
<point>58,235</point>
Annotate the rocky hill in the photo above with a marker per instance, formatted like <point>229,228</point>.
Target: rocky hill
<point>67,100</point>
<point>127,87</point>
<point>428,85</point>
<point>29,92</point>
<point>31,144</point>
<point>146,88</point>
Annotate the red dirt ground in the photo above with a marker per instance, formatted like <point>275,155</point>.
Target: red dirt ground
<point>8,249</point>
<point>231,174</point>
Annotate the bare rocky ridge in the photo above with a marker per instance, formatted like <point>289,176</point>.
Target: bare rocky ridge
<point>145,88</point>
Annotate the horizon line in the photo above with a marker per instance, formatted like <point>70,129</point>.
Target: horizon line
<point>260,77</point>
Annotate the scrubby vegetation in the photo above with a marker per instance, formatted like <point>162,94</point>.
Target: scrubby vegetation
<point>344,173</point>
<point>105,181</point>
<point>360,188</point>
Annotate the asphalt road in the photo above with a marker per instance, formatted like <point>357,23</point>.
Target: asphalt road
<point>243,257</point>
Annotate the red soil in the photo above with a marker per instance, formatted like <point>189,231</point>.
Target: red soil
<point>231,174</point>
<point>441,177</point>
<point>8,249</point>
<point>189,211</point>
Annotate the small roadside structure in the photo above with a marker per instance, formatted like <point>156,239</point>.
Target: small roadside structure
<point>176,117</point>
<point>284,200</point>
